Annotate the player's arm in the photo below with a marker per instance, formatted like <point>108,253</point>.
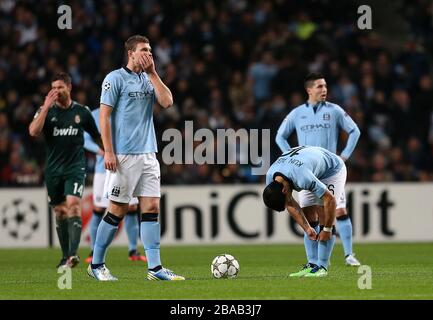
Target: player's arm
<point>284,131</point>
<point>162,92</point>
<point>329,207</point>
<point>110,159</point>
<point>37,124</point>
<point>298,215</point>
<point>348,125</point>
<point>91,146</point>
<point>91,127</point>
<point>110,92</point>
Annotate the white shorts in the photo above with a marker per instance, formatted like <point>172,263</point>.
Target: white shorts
<point>99,200</point>
<point>335,185</point>
<point>137,175</point>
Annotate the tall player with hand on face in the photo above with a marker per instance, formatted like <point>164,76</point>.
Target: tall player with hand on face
<point>127,97</point>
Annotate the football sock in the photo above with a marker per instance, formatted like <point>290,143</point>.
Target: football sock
<point>344,227</point>
<point>74,228</point>
<point>94,223</point>
<point>311,246</point>
<point>104,236</point>
<point>63,234</point>
<point>132,230</point>
<point>325,250</point>
<point>150,235</point>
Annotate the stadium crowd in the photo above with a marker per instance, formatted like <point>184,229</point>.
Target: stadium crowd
<point>230,64</point>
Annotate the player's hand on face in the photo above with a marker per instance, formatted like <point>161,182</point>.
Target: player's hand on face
<point>50,98</point>
<point>324,236</point>
<point>110,161</point>
<point>311,233</point>
<point>146,62</point>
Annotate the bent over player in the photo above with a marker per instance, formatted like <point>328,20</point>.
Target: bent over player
<point>313,169</point>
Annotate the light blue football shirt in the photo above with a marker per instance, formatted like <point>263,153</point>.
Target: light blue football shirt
<point>305,166</point>
<point>91,146</point>
<point>132,96</point>
<point>320,128</point>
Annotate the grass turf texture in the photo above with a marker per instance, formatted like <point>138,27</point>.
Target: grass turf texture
<point>399,271</point>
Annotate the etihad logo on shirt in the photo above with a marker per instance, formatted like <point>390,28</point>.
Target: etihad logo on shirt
<point>71,131</point>
<point>140,94</point>
<point>317,126</point>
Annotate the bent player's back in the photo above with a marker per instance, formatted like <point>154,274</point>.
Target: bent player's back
<point>305,160</point>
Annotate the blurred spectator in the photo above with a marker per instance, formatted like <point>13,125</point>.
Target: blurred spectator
<point>260,76</point>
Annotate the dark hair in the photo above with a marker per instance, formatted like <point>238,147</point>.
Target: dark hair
<point>132,42</point>
<point>62,76</point>
<point>311,77</point>
<point>273,196</point>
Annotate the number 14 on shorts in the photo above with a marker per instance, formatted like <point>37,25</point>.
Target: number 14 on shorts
<point>78,189</point>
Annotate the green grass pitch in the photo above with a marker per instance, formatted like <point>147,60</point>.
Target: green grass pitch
<point>399,271</point>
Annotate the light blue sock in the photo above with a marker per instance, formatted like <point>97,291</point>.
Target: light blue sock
<point>94,223</point>
<point>344,228</point>
<point>132,230</point>
<point>150,233</point>
<point>311,247</point>
<point>325,250</point>
<point>104,236</point>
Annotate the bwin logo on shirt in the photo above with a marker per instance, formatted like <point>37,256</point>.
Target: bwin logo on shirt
<point>71,131</point>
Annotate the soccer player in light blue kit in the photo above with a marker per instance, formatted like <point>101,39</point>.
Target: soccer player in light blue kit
<point>313,169</point>
<point>317,123</point>
<point>127,97</point>
<point>100,203</point>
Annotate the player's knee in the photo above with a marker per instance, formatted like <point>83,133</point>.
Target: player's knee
<point>74,210</point>
<point>151,206</point>
<point>311,213</point>
<point>341,214</point>
<point>60,211</point>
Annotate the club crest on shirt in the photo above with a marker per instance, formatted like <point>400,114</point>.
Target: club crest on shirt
<point>77,118</point>
<point>326,116</point>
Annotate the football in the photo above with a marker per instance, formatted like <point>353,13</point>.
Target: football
<point>225,266</point>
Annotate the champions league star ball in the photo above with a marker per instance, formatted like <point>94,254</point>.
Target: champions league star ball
<point>19,219</point>
<point>224,266</point>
